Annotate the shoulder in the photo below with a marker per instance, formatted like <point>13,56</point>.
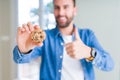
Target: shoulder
<point>49,31</point>
<point>85,31</point>
<point>86,35</point>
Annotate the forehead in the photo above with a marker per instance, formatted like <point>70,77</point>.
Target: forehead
<point>63,2</point>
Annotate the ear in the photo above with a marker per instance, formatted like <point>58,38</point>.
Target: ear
<point>75,11</point>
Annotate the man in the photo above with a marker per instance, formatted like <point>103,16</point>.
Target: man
<point>68,53</point>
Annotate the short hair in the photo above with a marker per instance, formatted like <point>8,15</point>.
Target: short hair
<point>74,3</point>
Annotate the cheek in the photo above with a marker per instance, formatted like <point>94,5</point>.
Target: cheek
<point>69,12</point>
<point>55,13</point>
<point>74,13</point>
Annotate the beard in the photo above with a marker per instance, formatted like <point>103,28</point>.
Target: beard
<point>66,24</point>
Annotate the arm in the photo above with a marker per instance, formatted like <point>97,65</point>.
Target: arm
<point>20,57</point>
<point>103,59</point>
<point>81,49</point>
<point>26,58</point>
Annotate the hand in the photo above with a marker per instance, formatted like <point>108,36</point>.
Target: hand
<point>77,49</point>
<point>24,39</point>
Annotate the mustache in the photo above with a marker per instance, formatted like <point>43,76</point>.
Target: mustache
<point>60,16</point>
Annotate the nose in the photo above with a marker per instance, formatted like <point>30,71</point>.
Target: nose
<point>61,12</point>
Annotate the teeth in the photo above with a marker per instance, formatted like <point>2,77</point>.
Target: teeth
<point>62,18</point>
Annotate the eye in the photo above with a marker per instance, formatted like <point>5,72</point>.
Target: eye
<point>56,7</point>
<point>66,6</point>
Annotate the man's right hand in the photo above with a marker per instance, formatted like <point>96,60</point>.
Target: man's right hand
<point>23,38</point>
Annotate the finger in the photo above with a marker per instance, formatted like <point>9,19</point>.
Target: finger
<point>19,29</point>
<point>70,48</point>
<point>71,54</point>
<point>76,34</point>
<point>30,26</point>
<point>68,44</point>
<point>70,51</point>
<point>36,27</point>
<point>38,44</point>
<point>26,28</point>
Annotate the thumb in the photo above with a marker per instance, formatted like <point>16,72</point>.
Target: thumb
<point>76,34</point>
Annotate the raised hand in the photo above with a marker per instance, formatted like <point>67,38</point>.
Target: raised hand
<point>77,49</point>
<point>23,38</point>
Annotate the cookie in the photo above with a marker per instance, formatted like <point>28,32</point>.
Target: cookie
<point>38,36</point>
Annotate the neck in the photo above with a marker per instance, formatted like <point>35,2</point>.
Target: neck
<point>67,30</point>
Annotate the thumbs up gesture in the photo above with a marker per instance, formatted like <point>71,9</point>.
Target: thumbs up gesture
<point>77,49</point>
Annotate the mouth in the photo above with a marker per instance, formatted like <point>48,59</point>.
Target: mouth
<point>62,19</point>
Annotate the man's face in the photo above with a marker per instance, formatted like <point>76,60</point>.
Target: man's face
<point>64,12</point>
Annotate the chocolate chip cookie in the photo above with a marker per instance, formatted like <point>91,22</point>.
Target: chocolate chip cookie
<point>38,36</point>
